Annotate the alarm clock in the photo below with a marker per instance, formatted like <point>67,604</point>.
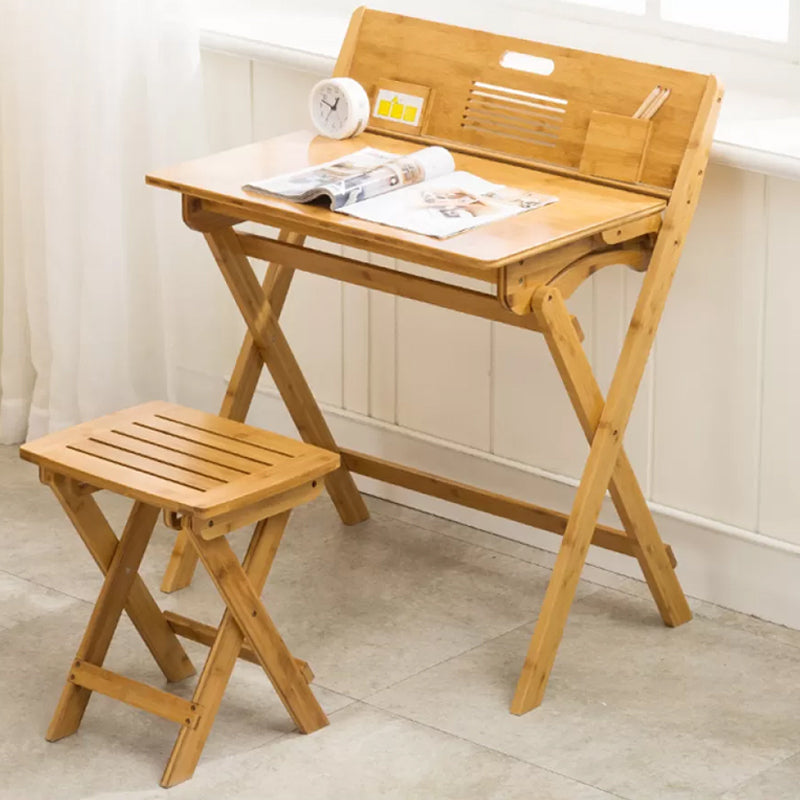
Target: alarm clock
<point>339,107</point>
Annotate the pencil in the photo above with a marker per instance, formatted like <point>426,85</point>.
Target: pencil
<point>656,104</point>
<point>646,102</point>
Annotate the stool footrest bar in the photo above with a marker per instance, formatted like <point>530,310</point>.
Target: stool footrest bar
<point>135,693</point>
<point>205,634</point>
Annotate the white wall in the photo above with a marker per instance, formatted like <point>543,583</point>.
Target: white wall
<point>712,436</point>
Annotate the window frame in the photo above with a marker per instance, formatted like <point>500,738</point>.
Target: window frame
<point>651,24</point>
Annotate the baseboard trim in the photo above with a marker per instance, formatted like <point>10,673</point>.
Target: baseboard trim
<point>737,568</point>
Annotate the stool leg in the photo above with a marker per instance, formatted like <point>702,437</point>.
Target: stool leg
<point>181,565</point>
<point>122,572</point>
<point>223,655</point>
<point>247,609</point>
<point>142,609</point>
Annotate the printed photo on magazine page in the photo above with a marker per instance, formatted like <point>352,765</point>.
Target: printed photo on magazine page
<point>448,205</point>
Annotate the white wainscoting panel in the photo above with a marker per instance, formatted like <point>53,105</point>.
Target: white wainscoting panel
<point>355,341</point>
<point>780,448</point>
<point>444,373</point>
<point>533,421</point>
<point>708,355</point>
<point>312,322</point>
<point>382,350</point>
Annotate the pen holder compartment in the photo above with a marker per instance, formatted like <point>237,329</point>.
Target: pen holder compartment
<point>615,146</point>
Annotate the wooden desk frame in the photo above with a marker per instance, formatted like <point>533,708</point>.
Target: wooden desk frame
<point>530,293</point>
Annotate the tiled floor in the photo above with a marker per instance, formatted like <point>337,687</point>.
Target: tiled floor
<point>416,628</point>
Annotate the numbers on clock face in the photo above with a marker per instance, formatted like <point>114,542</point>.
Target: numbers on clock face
<point>332,108</point>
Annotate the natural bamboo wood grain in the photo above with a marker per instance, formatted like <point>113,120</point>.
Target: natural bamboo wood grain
<point>243,382</point>
<point>111,601</point>
<point>381,279</point>
<point>223,524</point>
<point>96,533</point>
<point>489,502</point>
<point>615,146</point>
<point>227,647</point>
<point>451,60</point>
<point>517,282</point>
<point>281,363</point>
<point>654,557</point>
<point>569,266</point>
<point>607,441</point>
<point>198,218</point>
<point>247,472</point>
<point>206,634</point>
<point>633,230</point>
<point>134,693</point>
<point>252,620</point>
<point>583,208</point>
<point>178,476</point>
<point>634,255</point>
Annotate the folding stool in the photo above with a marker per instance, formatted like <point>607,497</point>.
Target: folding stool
<point>210,476</point>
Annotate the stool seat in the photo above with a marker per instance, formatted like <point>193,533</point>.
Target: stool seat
<point>186,462</point>
<point>208,475</point>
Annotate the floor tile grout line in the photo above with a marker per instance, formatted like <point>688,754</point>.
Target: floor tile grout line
<point>502,553</point>
<point>598,586</point>
<point>286,734</point>
<point>448,734</point>
<point>717,623</point>
<point>741,783</point>
<point>45,586</point>
<point>448,659</point>
<point>489,749</point>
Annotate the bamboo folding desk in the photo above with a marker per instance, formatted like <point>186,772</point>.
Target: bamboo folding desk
<point>627,192</point>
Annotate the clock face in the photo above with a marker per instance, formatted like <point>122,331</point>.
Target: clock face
<point>331,110</point>
<point>339,107</point>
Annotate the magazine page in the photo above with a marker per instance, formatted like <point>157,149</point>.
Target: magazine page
<point>308,183</point>
<point>361,175</point>
<point>423,165</point>
<point>448,205</point>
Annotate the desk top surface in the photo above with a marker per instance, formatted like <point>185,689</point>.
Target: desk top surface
<point>583,207</point>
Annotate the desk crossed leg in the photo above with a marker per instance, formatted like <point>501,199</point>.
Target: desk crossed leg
<point>261,307</point>
<point>604,424</point>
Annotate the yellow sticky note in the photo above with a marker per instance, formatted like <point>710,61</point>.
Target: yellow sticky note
<point>398,107</point>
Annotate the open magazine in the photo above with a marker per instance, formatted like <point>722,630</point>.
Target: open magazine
<point>420,192</point>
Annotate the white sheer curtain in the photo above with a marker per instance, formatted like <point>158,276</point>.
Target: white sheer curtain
<point>93,93</point>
